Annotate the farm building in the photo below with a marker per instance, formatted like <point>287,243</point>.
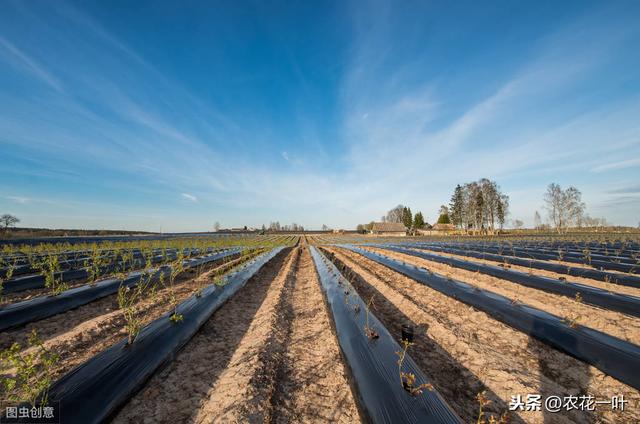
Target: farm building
<point>389,229</point>
<point>436,230</point>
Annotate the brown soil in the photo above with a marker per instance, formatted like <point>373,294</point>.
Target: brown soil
<point>465,351</point>
<point>312,387</point>
<point>614,323</point>
<point>267,355</point>
<point>614,288</point>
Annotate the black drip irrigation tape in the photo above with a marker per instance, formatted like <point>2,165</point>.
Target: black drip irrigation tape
<point>95,391</point>
<point>608,277</point>
<point>21,313</point>
<point>613,356</point>
<point>373,363</point>
<point>626,304</point>
<point>30,282</point>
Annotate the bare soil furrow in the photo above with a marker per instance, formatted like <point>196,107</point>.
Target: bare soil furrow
<point>312,385</point>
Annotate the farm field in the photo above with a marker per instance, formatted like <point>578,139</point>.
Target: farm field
<point>319,212</point>
<point>323,328</point>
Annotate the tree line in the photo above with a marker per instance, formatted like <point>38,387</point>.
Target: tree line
<point>401,214</point>
<point>275,226</point>
<point>479,206</point>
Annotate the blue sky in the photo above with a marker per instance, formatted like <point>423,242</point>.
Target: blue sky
<point>149,114</point>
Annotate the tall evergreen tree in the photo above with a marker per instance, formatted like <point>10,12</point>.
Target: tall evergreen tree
<point>418,220</point>
<point>456,207</point>
<point>407,217</point>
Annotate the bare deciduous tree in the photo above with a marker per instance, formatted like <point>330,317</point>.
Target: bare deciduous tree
<point>537,221</point>
<point>395,215</point>
<point>565,207</point>
<point>216,226</point>
<point>7,221</point>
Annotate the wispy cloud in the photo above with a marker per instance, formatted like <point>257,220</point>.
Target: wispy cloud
<point>21,60</point>
<point>632,189</point>
<point>623,164</point>
<point>190,197</point>
<point>18,199</point>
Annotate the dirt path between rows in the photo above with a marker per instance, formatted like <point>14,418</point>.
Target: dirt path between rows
<point>312,387</point>
<point>268,355</point>
<point>617,324</point>
<point>614,288</point>
<point>465,351</point>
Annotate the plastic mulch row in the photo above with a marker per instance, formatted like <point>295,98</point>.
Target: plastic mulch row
<point>20,313</point>
<point>532,254</point>
<point>610,277</point>
<point>626,304</point>
<point>373,363</point>
<point>80,260</point>
<point>30,282</point>
<point>95,391</point>
<point>613,356</point>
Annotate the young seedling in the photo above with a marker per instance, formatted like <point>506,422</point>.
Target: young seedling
<point>49,268</point>
<point>176,269</point>
<point>483,401</point>
<point>10,268</point>
<point>33,371</point>
<point>128,299</point>
<point>368,331</point>
<point>408,379</point>
<point>572,320</point>
<point>94,264</point>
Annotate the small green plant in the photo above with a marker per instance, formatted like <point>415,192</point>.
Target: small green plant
<point>49,268</point>
<point>95,264</point>
<point>128,298</point>
<point>10,268</point>
<point>32,371</point>
<point>176,268</point>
